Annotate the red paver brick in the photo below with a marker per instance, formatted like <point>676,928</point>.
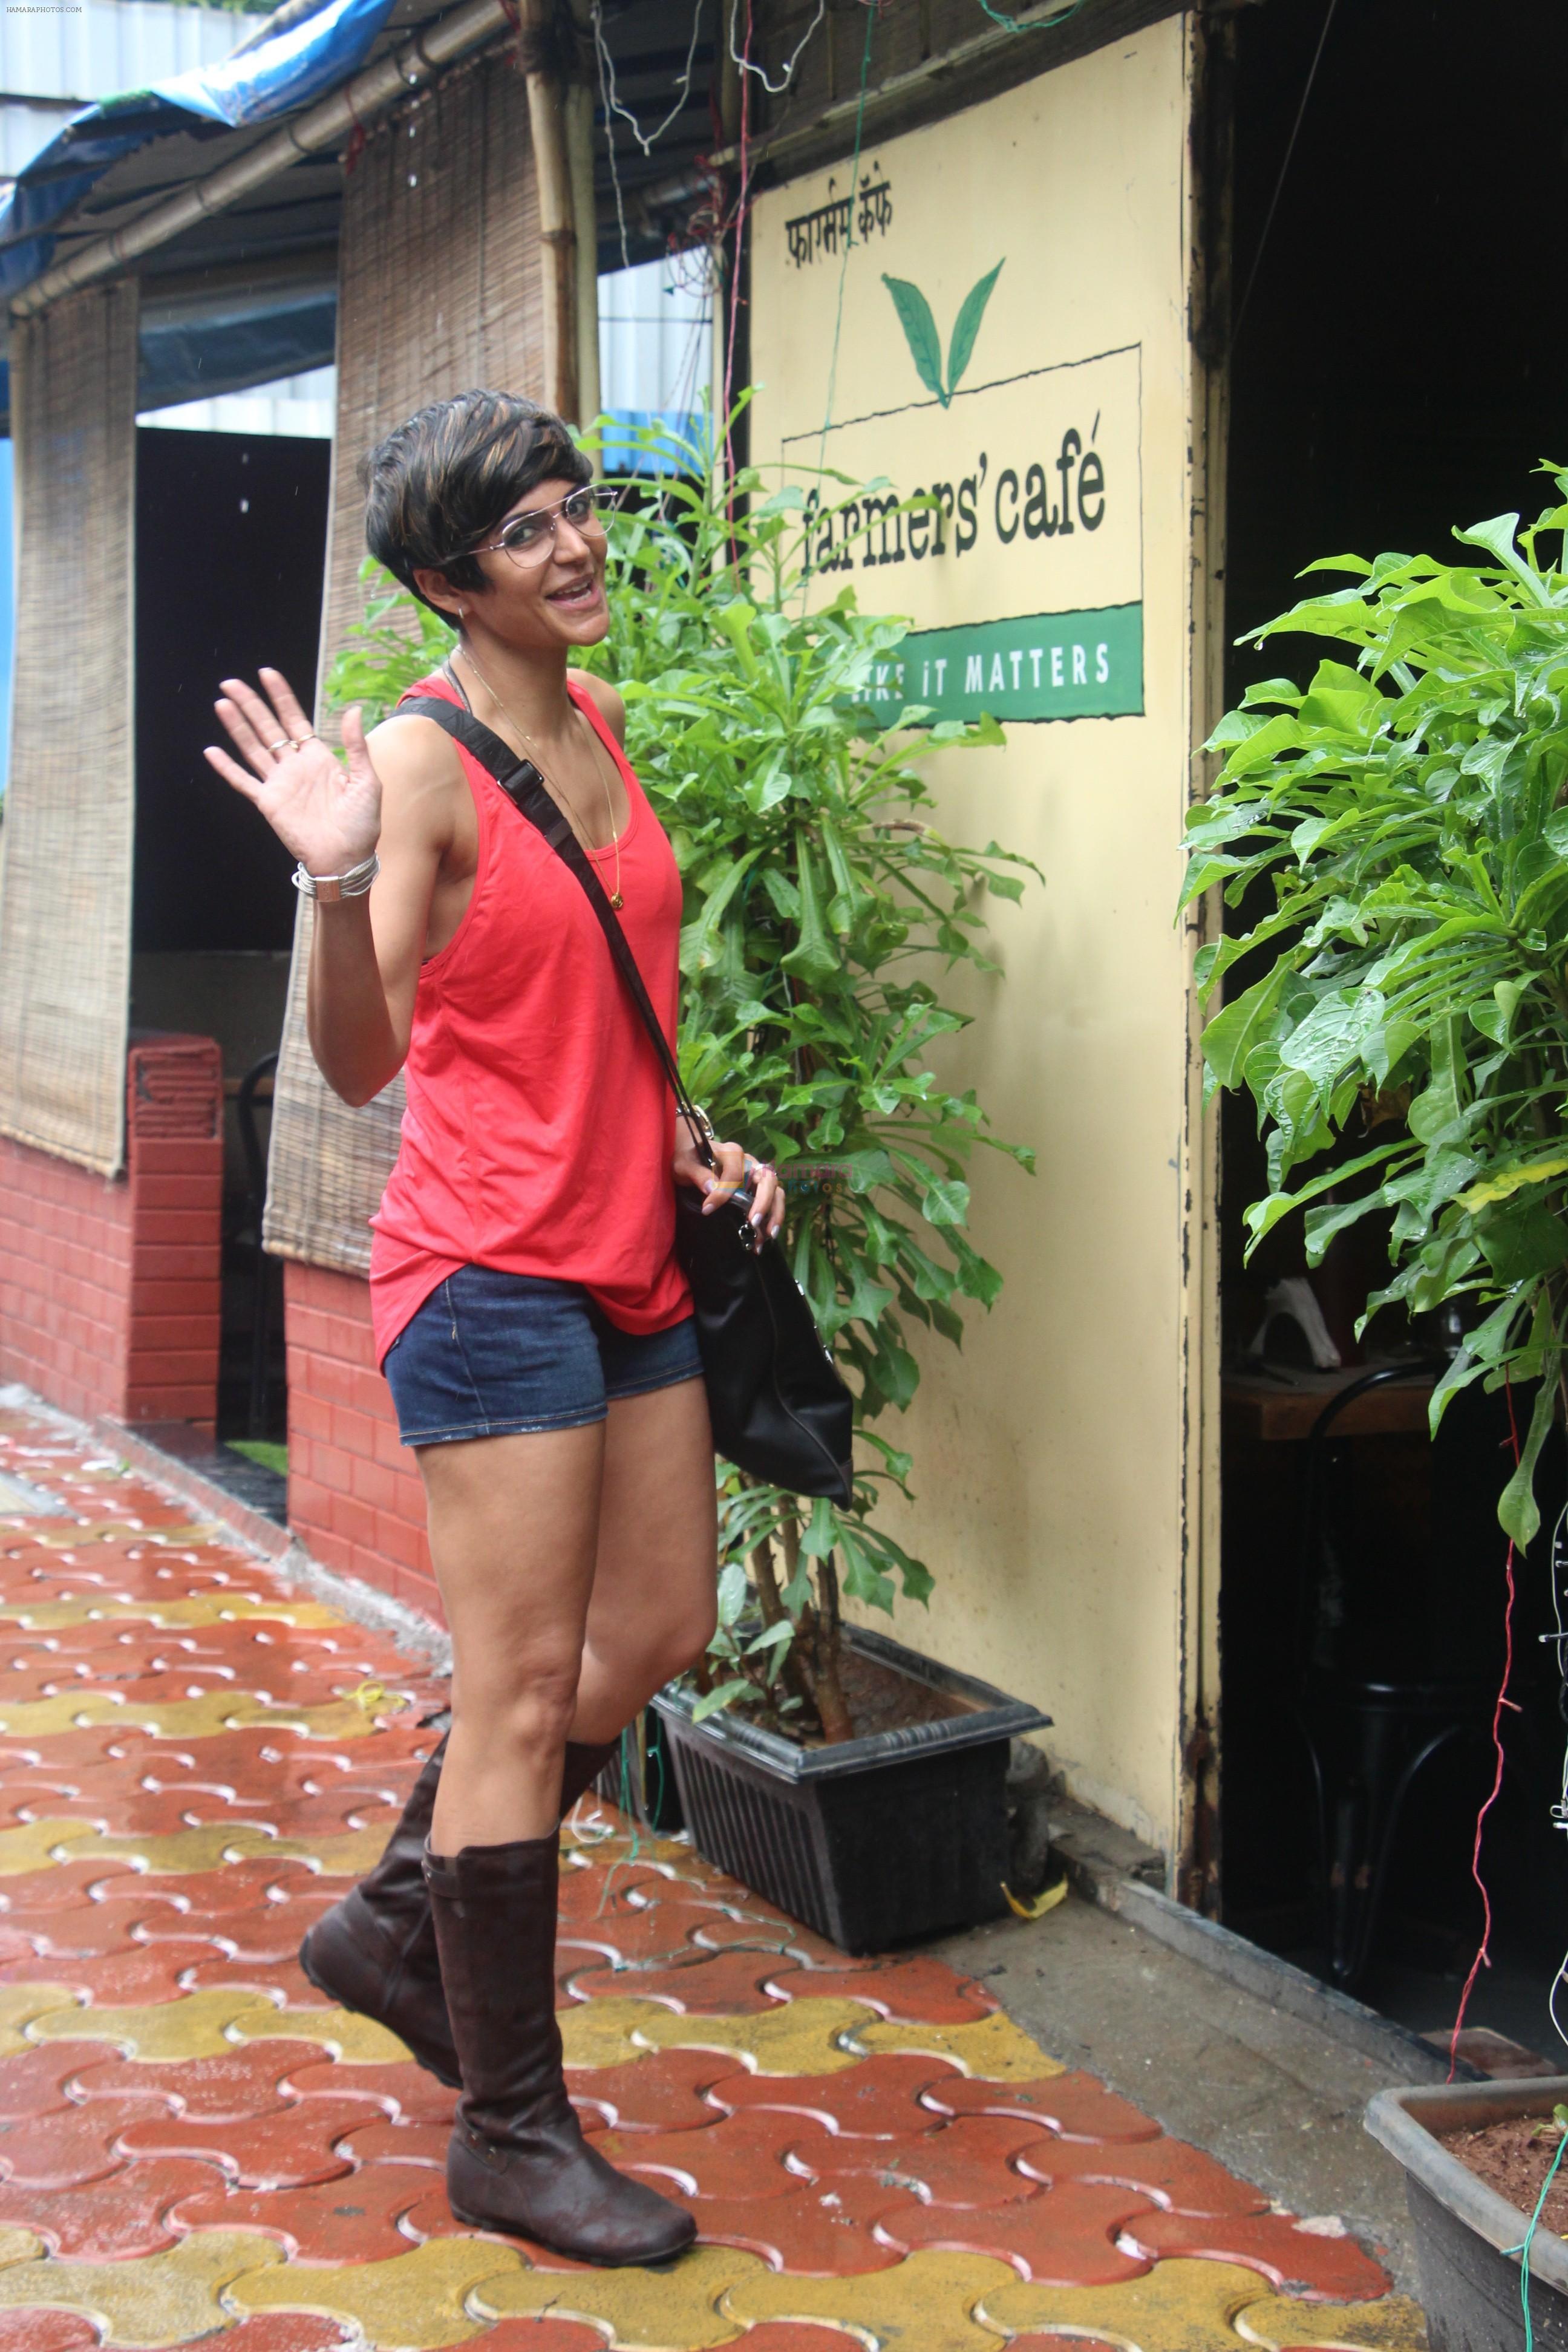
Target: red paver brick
<point>878,2099</point>
<point>405,2092</point>
<point>971,2162</point>
<point>1300,2262</point>
<point>71,2147</point>
<point>385,2142</point>
<point>1064,2236</point>
<point>919,1990</point>
<point>353,2219</point>
<point>33,2083</point>
<point>46,2331</point>
<point>700,1984</point>
<point>740,2159</point>
<point>1174,2175</point>
<point>241,2085</point>
<point>1075,2104</point>
<point>284,2150</point>
<point>814,2233</point>
<point>663,2092</point>
<point>108,2221</point>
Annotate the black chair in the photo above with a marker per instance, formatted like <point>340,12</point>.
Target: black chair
<point>1375,1711</point>
<point>248,1238</point>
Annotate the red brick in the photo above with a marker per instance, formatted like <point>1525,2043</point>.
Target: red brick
<point>308,1414</point>
<point>402,1543</point>
<point>332,1468</point>
<point>157,1264</point>
<point>179,1155</point>
<point>409,1499</point>
<point>369,1483</point>
<point>203,1297</point>
<point>164,1334</point>
<point>157,1193</point>
<point>181,1228</point>
<point>170,1367</point>
<point>354,1432</point>
<point>356,1522</point>
<point>193,1404</point>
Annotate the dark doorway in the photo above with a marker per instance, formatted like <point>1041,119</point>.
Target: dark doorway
<point>1396,373</point>
<point>230,547</point>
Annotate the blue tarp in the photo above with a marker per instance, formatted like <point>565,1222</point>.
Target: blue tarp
<point>274,78</point>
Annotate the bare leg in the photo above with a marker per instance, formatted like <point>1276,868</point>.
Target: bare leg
<point>651,1611</point>
<point>514,1529</point>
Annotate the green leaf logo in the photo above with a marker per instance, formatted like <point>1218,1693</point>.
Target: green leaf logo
<point>919,330</point>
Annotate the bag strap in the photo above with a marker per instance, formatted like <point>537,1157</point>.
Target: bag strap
<point>523,785</point>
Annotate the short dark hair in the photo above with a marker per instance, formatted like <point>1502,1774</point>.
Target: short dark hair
<point>437,485</point>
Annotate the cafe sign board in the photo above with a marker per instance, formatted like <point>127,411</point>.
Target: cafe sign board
<point>984,323</point>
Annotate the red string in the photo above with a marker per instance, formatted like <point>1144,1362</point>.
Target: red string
<point>1483,1950</point>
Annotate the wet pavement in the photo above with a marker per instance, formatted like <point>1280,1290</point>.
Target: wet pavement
<point>196,1760</point>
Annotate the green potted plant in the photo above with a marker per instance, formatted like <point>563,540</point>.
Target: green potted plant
<point>1397,830</point>
<point>1407,983</point>
<point>822,905</point>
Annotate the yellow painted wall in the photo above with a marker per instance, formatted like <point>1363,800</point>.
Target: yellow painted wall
<point>1050,1456</point>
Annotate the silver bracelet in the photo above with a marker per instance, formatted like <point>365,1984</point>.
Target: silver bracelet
<point>329,886</point>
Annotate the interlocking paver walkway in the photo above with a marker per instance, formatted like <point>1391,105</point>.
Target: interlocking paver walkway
<point>196,2148</point>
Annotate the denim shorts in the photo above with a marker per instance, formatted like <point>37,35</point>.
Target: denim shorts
<point>501,1355</point>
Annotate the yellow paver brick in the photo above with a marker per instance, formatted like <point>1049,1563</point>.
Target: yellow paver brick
<point>683,2308</point>
<point>190,1718</point>
<point>31,1845</point>
<point>924,2304</point>
<point>146,2300</point>
<point>191,1609</point>
<point>415,2302</point>
<point>1178,2306</point>
<point>1393,2324</point>
<point>993,2048</point>
<point>20,2004</point>
<point>73,1534</point>
<point>204,2024</point>
<point>801,2038</point>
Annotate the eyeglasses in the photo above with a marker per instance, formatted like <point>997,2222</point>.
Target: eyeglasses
<point>529,537</point>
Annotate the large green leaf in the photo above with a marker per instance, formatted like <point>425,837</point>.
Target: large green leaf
<point>920,333</point>
<point>966,326</point>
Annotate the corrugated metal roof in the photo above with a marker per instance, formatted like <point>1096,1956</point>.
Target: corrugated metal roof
<point>104,46</point>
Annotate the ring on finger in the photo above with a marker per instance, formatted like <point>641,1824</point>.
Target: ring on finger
<point>284,743</point>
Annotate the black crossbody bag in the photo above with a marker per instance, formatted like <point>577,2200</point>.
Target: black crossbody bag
<point>778,1408</point>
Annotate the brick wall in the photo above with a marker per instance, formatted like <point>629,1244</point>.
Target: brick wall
<point>110,1289</point>
<point>355,1500</point>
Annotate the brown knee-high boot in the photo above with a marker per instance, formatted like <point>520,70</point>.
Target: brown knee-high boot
<point>518,2160</point>
<point>375,1952</point>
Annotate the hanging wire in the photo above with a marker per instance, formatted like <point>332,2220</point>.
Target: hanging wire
<point>1285,166</point>
<point>646,140</point>
<point>1483,1958</point>
<point>1522,2249</point>
<point>774,89</point>
<point>843,263</point>
<point>1036,24</point>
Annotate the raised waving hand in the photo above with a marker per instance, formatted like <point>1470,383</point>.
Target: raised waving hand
<point>329,815</point>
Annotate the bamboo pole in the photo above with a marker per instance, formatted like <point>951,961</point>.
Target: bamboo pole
<point>580,149</point>
<point>557,215</point>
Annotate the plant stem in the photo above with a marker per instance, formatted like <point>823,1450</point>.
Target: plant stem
<point>831,1703</point>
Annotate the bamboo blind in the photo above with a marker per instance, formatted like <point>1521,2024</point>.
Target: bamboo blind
<point>439,291</point>
<point>65,882</point>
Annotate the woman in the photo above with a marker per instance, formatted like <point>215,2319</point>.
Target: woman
<point>529,1313</point>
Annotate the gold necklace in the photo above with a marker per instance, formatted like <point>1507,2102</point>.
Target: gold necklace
<point>615,842</point>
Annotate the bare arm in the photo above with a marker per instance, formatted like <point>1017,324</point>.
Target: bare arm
<point>395,797</point>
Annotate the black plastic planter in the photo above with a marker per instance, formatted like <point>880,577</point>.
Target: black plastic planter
<point>639,1777</point>
<point>873,1842</point>
<point>1465,2231</point>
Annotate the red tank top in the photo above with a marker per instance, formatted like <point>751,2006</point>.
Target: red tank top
<point>539,1129</point>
